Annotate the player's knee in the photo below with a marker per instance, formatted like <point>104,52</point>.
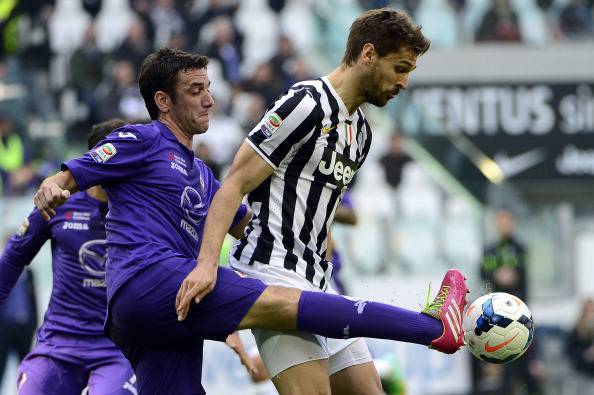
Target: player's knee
<point>275,309</point>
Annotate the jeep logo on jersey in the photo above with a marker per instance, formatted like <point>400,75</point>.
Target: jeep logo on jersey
<point>92,256</point>
<point>337,169</point>
<point>192,205</point>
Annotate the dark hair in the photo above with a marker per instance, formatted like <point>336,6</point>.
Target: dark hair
<point>388,31</point>
<point>159,72</point>
<point>101,130</point>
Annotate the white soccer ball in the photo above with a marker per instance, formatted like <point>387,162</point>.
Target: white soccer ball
<point>498,327</point>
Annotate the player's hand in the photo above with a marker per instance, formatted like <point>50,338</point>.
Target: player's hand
<point>48,197</point>
<point>197,284</point>
<point>234,342</point>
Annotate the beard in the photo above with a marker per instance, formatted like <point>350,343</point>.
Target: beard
<point>373,92</point>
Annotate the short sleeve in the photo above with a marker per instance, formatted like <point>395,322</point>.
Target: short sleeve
<point>285,125</point>
<point>116,157</point>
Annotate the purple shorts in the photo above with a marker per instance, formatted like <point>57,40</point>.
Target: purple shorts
<point>40,374</point>
<point>167,354</point>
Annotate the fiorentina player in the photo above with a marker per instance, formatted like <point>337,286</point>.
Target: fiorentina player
<point>159,194</point>
<point>72,350</point>
<point>295,166</point>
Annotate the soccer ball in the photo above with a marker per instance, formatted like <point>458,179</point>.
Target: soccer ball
<point>498,327</point>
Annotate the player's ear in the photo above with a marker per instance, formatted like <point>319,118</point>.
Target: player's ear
<point>368,54</point>
<point>163,101</point>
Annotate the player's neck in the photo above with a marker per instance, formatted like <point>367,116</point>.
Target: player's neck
<point>183,138</point>
<point>98,193</point>
<point>345,81</point>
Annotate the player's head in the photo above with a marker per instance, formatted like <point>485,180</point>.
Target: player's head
<point>505,221</point>
<point>101,130</point>
<point>174,84</point>
<point>384,44</point>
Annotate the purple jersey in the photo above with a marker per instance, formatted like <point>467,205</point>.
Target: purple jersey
<point>158,193</point>
<point>77,304</point>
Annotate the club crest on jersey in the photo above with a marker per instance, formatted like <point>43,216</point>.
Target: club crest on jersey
<point>104,153</point>
<point>273,121</point>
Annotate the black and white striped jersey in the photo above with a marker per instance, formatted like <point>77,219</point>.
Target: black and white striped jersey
<point>315,148</point>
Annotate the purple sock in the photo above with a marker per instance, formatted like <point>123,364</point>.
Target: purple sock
<point>338,317</point>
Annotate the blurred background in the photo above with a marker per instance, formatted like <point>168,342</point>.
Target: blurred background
<point>485,163</point>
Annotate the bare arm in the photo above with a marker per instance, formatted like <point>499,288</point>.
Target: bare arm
<point>53,192</point>
<point>247,172</point>
<point>345,215</point>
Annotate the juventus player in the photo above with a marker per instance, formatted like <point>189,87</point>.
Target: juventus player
<point>72,350</point>
<point>295,166</point>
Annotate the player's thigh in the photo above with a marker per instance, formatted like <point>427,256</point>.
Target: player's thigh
<point>169,372</point>
<point>275,309</point>
<point>351,368</point>
<point>44,375</point>
<point>308,378</point>
<point>296,361</point>
<point>115,377</point>
<point>144,308</point>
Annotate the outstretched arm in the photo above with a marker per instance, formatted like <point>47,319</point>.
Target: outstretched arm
<point>247,172</point>
<point>20,251</point>
<point>53,192</point>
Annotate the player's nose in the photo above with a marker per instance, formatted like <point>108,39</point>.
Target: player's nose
<point>403,82</point>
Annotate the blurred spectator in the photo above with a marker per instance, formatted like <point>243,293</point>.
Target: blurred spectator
<point>504,270</point>
<point>298,71</point>
<point>394,159</point>
<point>226,48</point>
<point>14,96</point>
<point>9,20</point>
<point>167,21</point>
<point>15,168</point>
<point>118,96</point>
<point>202,151</point>
<point>276,5</point>
<point>223,138</point>
<point>248,117</point>
<point>135,46</point>
<point>580,349</point>
<point>504,263</point>
<point>371,4</point>
<point>18,320</point>
<point>201,13</point>
<point>577,19</point>
<point>264,83</point>
<point>500,23</point>
<point>93,7</point>
<point>142,9</point>
<point>35,56</point>
<point>282,61</point>
<point>86,71</point>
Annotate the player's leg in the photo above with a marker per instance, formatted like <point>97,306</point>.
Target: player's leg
<point>297,362</point>
<point>112,377</point>
<point>351,369</point>
<point>45,375</point>
<point>309,378</point>
<point>439,325</point>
